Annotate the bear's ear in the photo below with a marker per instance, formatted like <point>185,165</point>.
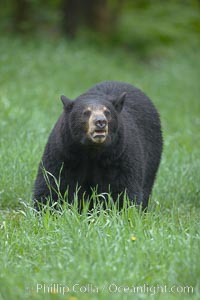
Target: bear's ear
<point>67,103</point>
<point>119,102</point>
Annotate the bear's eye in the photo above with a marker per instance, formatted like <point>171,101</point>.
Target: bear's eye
<point>87,113</point>
<point>107,113</point>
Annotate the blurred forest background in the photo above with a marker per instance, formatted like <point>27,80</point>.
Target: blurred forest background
<point>142,26</point>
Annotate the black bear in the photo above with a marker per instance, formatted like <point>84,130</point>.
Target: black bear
<point>108,138</point>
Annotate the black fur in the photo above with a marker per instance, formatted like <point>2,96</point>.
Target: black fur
<point>127,161</point>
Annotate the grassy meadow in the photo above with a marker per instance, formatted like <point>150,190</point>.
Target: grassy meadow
<point>106,255</point>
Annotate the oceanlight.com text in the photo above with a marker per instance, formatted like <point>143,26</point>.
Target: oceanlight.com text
<point>149,289</point>
<point>111,288</point>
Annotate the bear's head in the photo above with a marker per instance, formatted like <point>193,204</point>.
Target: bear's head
<point>94,120</point>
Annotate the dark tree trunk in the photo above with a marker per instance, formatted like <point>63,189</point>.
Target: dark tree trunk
<point>20,15</point>
<point>72,11</point>
<point>97,15</point>
<point>93,14</point>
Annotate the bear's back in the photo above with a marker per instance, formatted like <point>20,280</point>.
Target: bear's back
<point>138,110</point>
<point>137,105</point>
<point>112,88</point>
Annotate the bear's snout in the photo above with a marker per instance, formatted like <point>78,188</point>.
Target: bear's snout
<point>97,126</point>
<point>100,122</point>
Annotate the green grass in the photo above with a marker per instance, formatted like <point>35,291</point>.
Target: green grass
<point>79,249</point>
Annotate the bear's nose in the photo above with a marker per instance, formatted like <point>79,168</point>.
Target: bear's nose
<point>100,122</point>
